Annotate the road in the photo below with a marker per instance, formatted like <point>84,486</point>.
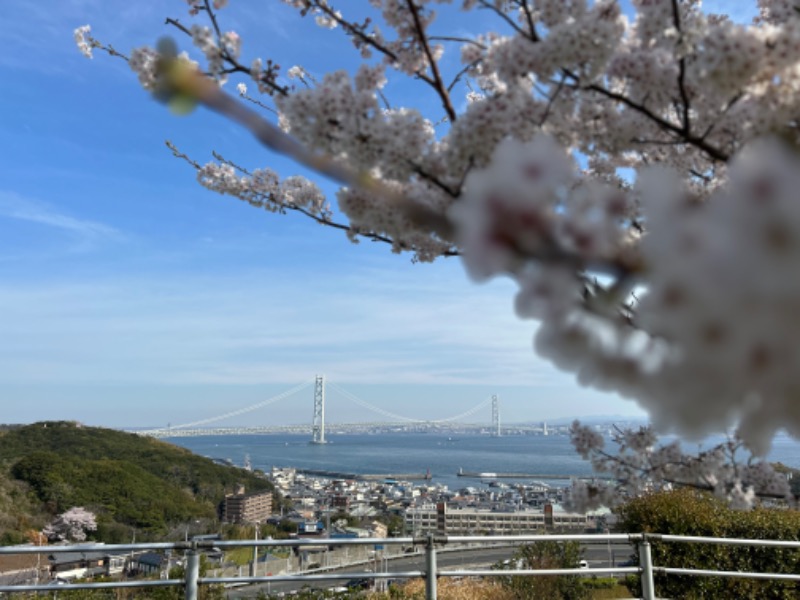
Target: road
<point>596,555</point>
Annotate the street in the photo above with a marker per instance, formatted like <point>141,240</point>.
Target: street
<point>596,555</point>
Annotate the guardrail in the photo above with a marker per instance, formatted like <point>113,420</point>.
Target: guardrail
<point>193,550</point>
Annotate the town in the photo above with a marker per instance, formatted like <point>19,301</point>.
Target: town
<point>415,509</point>
<point>331,509</point>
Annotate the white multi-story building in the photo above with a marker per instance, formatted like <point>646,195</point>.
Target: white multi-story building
<point>476,521</point>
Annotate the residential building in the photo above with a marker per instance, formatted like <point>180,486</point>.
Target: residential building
<point>441,518</point>
<point>78,565</point>
<point>247,508</point>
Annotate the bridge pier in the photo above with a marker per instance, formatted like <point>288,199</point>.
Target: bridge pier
<point>318,422</point>
<point>495,416</point>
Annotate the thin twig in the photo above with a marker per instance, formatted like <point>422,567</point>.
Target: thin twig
<point>213,18</point>
<point>177,24</point>
<point>505,17</point>
<point>529,17</point>
<point>461,73</point>
<point>550,102</point>
<point>450,38</point>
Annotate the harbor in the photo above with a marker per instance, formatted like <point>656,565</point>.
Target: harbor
<point>366,476</point>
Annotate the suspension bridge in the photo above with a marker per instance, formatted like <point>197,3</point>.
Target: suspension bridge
<point>318,427</point>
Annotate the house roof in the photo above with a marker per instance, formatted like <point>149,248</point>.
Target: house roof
<point>16,562</point>
<point>59,558</point>
<point>151,558</point>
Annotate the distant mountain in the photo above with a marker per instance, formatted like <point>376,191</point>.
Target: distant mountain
<point>592,420</point>
<point>132,483</point>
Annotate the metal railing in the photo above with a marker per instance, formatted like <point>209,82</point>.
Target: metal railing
<point>431,543</point>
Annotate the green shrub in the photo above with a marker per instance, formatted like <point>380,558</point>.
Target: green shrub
<point>546,555</point>
<point>692,513</point>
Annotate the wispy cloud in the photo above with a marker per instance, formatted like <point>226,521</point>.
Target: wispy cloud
<point>16,206</point>
<point>423,337</point>
<point>264,328</point>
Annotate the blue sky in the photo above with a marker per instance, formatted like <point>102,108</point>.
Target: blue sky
<point>130,296</point>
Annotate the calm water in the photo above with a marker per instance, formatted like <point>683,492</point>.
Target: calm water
<point>443,455</point>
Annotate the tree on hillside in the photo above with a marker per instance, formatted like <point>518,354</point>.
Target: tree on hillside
<point>636,176</point>
<point>71,525</point>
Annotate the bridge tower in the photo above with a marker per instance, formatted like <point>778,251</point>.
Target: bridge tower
<point>496,415</point>
<point>318,423</point>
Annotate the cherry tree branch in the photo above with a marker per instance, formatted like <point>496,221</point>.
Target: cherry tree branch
<point>681,71</point>
<point>437,82</point>
<point>268,75</point>
<point>699,142</point>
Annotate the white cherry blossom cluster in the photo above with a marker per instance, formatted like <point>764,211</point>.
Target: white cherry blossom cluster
<point>263,189</point>
<point>777,11</point>
<point>84,40</point>
<point>723,291</point>
<point>71,525</point>
<point>203,38</point>
<point>584,42</point>
<point>635,174</point>
<point>638,463</point>
<point>143,63</point>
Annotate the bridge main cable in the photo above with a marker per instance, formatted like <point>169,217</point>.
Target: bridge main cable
<point>391,415</point>
<point>233,413</point>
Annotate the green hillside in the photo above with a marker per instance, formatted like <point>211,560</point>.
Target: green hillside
<point>130,482</point>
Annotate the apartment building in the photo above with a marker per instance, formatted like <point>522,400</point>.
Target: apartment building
<point>441,518</point>
<point>247,508</point>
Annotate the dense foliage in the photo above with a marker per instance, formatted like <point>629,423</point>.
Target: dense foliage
<point>692,513</point>
<point>18,511</point>
<point>120,490</point>
<point>128,481</point>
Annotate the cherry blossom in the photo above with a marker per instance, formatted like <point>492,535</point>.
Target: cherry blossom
<point>635,175</point>
<point>71,525</point>
<point>638,463</point>
<point>84,40</point>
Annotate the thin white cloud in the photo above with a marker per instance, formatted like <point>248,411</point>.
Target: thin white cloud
<point>265,328</point>
<point>423,337</point>
<point>16,206</point>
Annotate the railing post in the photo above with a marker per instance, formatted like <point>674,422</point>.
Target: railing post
<point>192,574</point>
<point>430,566</point>
<point>254,564</point>
<point>646,560</point>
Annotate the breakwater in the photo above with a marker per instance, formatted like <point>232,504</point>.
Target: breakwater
<point>537,476</point>
<point>366,476</point>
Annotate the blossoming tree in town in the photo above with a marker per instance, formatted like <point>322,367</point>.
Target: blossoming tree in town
<point>71,525</point>
<point>636,174</point>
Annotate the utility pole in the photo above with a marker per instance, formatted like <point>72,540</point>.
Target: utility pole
<point>255,551</point>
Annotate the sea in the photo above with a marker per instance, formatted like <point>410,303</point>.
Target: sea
<point>440,455</point>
